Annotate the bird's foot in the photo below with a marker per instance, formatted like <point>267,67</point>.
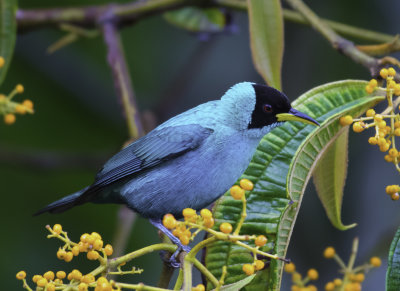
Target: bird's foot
<point>172,261</point>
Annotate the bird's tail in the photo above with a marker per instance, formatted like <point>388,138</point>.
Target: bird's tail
<point>63,204</point>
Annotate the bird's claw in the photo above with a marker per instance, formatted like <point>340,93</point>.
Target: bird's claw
<point>172,260</point>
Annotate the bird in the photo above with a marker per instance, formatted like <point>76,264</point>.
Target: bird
<point>190,160</point>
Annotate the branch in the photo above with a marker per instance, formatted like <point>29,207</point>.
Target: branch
<point>88,16</point>
<point>339,43</point>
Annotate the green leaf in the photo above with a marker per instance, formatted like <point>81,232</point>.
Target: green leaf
<point>238,285</point>
<point>280,169</point>
<point>329,177</point>
<point>393,271</point>
<point>197,19</point>
<point>266,39</point>
<point>8,31</point>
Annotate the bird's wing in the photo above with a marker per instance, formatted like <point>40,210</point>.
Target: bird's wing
<point>151,150</point>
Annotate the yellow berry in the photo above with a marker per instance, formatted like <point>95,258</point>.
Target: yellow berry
<point>91,239</point>
<point>9,118</point>
<point>177,232</point>
<point>188,213</point>
<point>41,282</point>
<point>295,288</point>
<point>185,239</point>
<point>397,132</point>
<point>391,72</point>
<point>369,89</point>
<point>370,113</point>
<point>68,257</point>
<point>360,277</point>
<point>378,118</point>
<point>381,124</point>
<point>395,196</point>
<point>393,152</point>
<point>312,274</point>
<point>20,109</point>
<point>330,286</point>
<point>205,213</point>
<point>296,277</point>
<point>108,249</point>
<point>373,140</point>
<point>337,282</point>
<point>329,252</point>
<point>2,61</point>
<point>200,287</point>
<point>82,287</point>
<point>246,184</point>
<point>311,288</point>
<point>28,104</point>
<point>61,275</point>
<point>388,158</point>
<point>381,141</point>
<point>290,268</point>
<point>169,221</point>
<point>373,83</point>
<point>396,89</point>
<point>259,265</point>
<point>375,261</point>
<point>261,240</point>
<point>357,127</point>
<point>346,120</point>
<point>101,281</point>
<point>237,192</point>
<point>89,278</point>
<point>384,147</point>
<point>57,228</point>
<point>98,244</point>
<point>61,254</point>
<point>92,255</point>
<point>76,274</point>
<point>391,84</point>
<point>36,278</point>
<point>75,250</point>
<point>384,73</point>
<point>209,222</point>
<point>21,275</point>
<point>248,269</point>
<point>19,88</point>
<point>225,227</point>
<point>84,237</point>
<point>50,287</point>
<point>49,275</point>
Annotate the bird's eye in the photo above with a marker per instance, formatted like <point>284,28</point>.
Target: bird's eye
<point>267,108</point>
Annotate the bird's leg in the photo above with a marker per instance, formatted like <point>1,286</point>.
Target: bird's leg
<point>157,223</point>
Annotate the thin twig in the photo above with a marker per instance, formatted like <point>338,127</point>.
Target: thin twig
<point>339,43</point>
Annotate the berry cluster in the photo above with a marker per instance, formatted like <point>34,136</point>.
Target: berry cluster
<point>299,283</point>
<point>385,130</point>
<point>205,221</point>
<point>8,107</point>
<point>92,244</point>
<point>353,276</point>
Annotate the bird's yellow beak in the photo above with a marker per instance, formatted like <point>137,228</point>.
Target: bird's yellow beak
<point>296,115</point>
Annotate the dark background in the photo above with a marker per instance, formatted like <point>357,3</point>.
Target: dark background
<point>78,125</point>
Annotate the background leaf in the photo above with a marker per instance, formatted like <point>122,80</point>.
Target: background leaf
<point>8,30</point>
<point>197,19</point>
<point>393,271</point>
<point>266,39</point>
<point>287,152</point>
<point>329,177</point>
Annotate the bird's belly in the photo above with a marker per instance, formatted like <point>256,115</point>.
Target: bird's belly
<point>193,180</point>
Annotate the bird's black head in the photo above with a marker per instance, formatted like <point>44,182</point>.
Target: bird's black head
<point>269,103</point>
<point>273,106</point>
